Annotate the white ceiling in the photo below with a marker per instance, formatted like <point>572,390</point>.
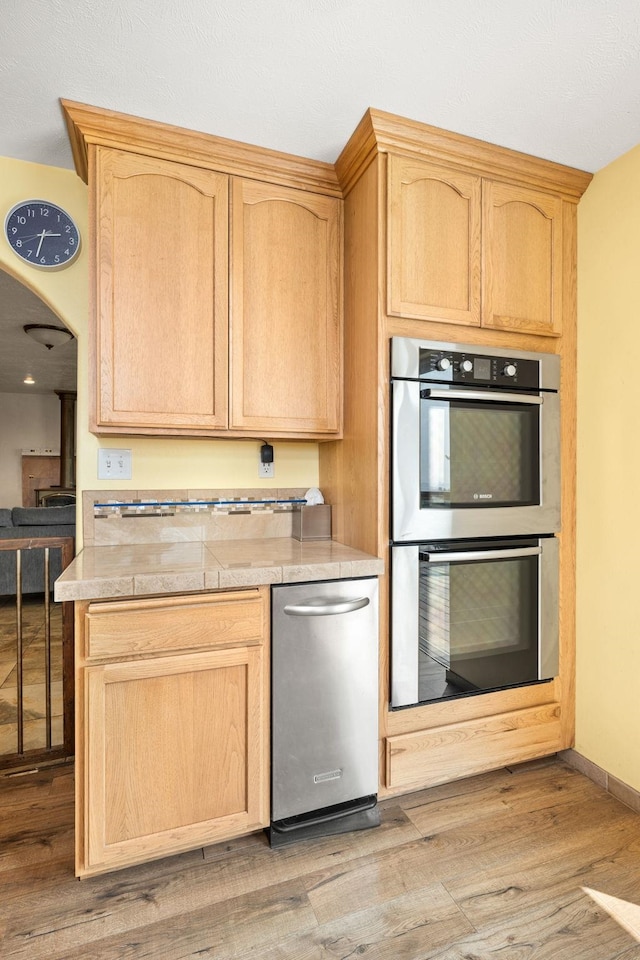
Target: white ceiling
<point>21,356</point>
<point>558,79</point>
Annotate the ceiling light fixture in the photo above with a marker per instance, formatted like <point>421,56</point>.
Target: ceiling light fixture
<point>28,379</point>
<point>48,335</point>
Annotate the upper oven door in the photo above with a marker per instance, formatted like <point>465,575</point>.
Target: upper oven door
<point>473,462</point>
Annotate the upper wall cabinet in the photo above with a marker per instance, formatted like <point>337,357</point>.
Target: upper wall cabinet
<point>160,293</point>
<point>433,229</point>
<point>466,249</point>
<point>172,352</point>
<point>522,263</point>
<point>285,319</point>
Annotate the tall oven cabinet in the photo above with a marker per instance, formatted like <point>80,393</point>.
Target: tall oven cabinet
<point>452,240</point>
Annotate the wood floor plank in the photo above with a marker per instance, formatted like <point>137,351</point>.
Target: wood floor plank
<point>572,930</point>
<point>536,789</point>
<point>244,925</point>
<point>521,837</point>
<point>610,867</point>
<point>404,928</point>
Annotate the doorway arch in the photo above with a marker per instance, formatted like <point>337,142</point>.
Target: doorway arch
<point>64,292</point>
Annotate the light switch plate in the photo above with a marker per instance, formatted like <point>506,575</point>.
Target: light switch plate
<point>114,464</point>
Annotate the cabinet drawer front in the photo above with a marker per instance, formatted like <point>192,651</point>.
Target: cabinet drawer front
<point>146,626</point>
<point>429,757</point>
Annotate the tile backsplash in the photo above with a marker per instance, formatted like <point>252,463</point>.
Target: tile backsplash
<point>156,516</point>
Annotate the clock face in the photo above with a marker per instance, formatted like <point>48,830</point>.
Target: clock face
<point>42,234</point>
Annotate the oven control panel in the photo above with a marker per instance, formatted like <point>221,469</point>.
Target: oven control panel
<point>446,366</point>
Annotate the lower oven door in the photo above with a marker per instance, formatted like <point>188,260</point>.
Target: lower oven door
<point>472,616</point>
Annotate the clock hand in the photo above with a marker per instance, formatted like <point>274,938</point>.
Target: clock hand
<point>42,236</point>
<point>50,234</point>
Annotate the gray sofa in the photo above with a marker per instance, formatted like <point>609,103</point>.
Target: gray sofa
<point>27,523</point>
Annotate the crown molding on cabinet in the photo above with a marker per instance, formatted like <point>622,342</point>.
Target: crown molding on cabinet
<point>96,125</point>
<point>380,132</point>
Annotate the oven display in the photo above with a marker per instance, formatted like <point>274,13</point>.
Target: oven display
<point>482,369</point>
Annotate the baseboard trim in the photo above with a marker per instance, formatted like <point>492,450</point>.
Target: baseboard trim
<point>617,788</point>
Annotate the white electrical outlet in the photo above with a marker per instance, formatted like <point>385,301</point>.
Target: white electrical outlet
<point>114,464</point>
<point>265,470</point>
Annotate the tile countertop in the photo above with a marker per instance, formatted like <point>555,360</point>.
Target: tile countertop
<point>162,568</point>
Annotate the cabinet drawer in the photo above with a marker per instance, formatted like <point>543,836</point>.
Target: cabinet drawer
<point>131,627</point>
<point>429,757</point>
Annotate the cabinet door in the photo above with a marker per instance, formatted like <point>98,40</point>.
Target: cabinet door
<point>173,755</point>
<point>162,295</point>
<point>521,259</point>
<point>285,310</point>
<point>433,237</point>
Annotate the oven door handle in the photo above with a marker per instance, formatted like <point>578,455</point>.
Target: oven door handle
<point>492,397</point>
<point>481,554</point>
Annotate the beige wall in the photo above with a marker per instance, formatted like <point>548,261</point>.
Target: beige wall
<point>157,464</point>
<point>26,423</point>
<point>608,559</point>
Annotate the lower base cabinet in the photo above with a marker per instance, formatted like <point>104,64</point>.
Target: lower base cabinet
<point>172,743</point>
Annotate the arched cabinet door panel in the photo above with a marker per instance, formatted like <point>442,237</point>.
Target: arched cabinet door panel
<point>286,316</point>
<point>521,259</point>
<point>161,294</point>
<point>433,242</point>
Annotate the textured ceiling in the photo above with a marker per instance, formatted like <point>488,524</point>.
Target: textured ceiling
<point>556,78</point>
<point>21,356</point>
<point>559,79</point>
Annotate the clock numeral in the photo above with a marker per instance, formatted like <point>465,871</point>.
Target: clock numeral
<point>22,220</point>
<point>29,253</point>
<point>14,230</point>
<point>44,211</point>
<point>18,243</point>
<point>71,241</point>
<point>56,258</point>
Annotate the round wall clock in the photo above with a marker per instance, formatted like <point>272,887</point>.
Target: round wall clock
<point>42,234</point>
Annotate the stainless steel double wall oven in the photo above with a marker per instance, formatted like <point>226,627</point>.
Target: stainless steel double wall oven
<point>475,508</point>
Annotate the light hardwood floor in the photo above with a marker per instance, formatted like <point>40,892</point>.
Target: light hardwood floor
<point>34,676</point>
<point>491,868</point>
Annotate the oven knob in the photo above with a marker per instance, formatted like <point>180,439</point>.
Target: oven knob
<point>510,370</point>
<point>443,363</point>
<point>466,366</point>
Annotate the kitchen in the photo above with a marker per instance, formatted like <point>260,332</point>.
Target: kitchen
<point>619,763</point>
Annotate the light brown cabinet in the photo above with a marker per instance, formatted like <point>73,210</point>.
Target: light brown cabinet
<point>161,295</point>
<point>433,231</point>
<point>177,219</point>
<point>171,726</point>
<point>164,362</point>
<point>470,250</point>
<point>285,317</point>
<point>522,259</point>
<point>453,240</point>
